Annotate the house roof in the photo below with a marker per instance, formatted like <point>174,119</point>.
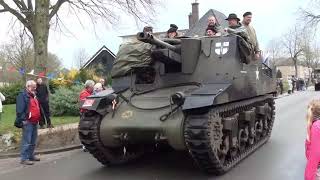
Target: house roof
<point>103,48</point>
<point>200,27</point>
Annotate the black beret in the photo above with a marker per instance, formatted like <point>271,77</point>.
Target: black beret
<point>173,28</point>
<point>247,14</point>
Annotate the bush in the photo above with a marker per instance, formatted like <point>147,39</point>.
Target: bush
<point>11,92</point>
<point>65,101</point>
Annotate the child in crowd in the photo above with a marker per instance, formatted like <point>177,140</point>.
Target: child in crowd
<point>312,141</point>
<point>97,88</point>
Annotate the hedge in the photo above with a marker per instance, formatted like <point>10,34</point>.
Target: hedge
<point>65,101</point>
<point>11,92</point>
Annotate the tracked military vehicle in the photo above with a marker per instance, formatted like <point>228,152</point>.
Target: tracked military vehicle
<point>200,95</point>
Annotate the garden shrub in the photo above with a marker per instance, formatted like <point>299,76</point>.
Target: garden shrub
<point>11,92</point>
<point>65,101</point>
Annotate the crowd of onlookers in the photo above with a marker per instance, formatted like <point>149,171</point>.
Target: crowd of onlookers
<point>32,110</point>
<point>294,84</point>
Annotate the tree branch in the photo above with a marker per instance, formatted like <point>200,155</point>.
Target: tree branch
<point>16,14</point>
<point>21,5</point>
<point>3,10</point>
<point>56,7</point>
<point>30,6</point>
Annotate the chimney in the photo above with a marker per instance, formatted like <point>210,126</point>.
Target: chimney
<point>195,12</point>
<point>190,20</point>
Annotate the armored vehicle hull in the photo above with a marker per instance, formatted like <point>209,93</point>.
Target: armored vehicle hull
<point>199,97</point>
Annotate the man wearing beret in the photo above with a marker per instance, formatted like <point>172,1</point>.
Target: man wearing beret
<point>172,32</point>
<point>247,16</point>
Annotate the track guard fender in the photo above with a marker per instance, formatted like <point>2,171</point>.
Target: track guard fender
<point>99,101</point>
<point>204,96</point>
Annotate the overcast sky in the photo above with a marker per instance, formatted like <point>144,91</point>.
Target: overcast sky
<point>271,18</point>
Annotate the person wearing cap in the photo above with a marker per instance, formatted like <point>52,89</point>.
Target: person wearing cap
<point>235,27</point>
<point>172,32</point>
<point>247,16</point>
<point>212,24</point>
<point>148,29</point>
<point>211,31</point>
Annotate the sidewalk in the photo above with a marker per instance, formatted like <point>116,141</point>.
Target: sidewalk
<point>13,164</point>
<point>58,139</point>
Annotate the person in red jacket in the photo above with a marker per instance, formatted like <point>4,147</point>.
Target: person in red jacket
<point>89,84</point>
<point>312,142</point>
<point>28,115</point>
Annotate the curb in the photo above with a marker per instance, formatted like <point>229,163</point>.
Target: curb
<point>46,151</point>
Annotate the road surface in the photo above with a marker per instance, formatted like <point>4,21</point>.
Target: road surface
<point>282,158</point>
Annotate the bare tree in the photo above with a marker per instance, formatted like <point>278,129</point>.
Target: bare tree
<point>80,57</point>
<point>19,52</point>
<point>292,43</point>
<point>311,15</point>
<point>275,50</point>
<point>38,15</point>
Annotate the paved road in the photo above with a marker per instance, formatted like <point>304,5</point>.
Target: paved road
<point>281,158</point>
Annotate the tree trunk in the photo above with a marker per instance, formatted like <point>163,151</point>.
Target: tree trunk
<point>40,35</point>
<point>295,67</point>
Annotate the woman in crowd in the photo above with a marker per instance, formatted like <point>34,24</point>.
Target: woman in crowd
<point>97,88</point>
<point>312,142</point>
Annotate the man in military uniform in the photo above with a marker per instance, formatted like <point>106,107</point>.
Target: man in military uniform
<point>245,45</point>
<point>172,31</point>
<point>236,28</point>
<point>148,29</point>
<point>247,16</point>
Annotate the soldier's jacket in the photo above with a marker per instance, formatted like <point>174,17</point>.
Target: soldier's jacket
<point>239,30</point>
<point>245,44</point>
<point>253,37</point>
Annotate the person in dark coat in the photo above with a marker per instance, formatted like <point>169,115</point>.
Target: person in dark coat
<point>43,96</point>
<point>281,86</point>
<point>28,115</point>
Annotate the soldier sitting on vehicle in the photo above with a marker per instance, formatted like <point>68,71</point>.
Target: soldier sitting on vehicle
<point>211,32</point>
<point>246,49</point>
<point>148,29</point>
<point>172,32</point>
<point>236,28</point>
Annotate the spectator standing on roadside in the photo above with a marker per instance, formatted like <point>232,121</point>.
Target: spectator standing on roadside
<point>43,97</point>
<point>312,142</point>
<point>89,84</point>
<point>2,98</point>
<point>28,116</point>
